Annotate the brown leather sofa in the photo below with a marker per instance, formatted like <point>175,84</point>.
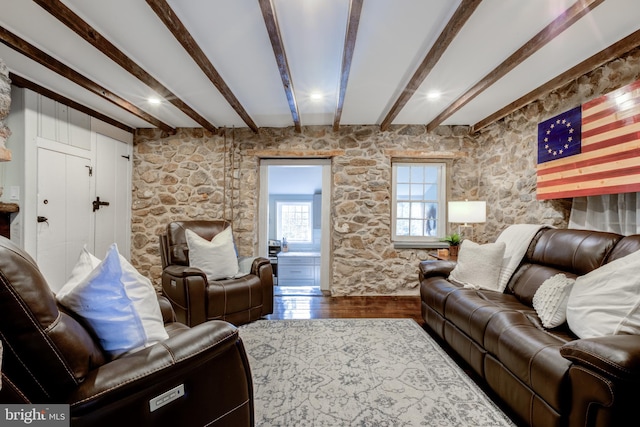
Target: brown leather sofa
<point>51,358</point>
<point>546,377</point>
<point>196,300</point>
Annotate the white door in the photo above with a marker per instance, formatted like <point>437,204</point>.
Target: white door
<point>64,213</point>
<point>113,186</point>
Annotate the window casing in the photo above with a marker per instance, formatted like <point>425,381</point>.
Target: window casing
<point>419,193</point>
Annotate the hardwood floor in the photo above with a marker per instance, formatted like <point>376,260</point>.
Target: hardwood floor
<point>310,304</point>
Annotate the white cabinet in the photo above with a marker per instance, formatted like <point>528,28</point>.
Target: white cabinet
<point>298,269</point>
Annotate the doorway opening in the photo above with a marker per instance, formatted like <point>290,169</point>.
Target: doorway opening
<point>294,223</point>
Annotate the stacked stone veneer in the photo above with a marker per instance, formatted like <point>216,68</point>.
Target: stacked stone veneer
<point>5,104</point>
<point>184,177</point>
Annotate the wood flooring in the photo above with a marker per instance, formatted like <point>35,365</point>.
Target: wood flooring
<point>303,303</point>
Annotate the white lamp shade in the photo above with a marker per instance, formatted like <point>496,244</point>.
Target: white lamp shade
<point>467,211</point>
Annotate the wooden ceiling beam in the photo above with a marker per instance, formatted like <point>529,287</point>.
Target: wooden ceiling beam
<point>23,47</point>
<point>614,51</point>
<point>448,34</point>
<point>184,37</point>
<point>20,81</point>
<point>355,9</point>
<point>270,20</point>
<point>65,15</point>
<point>555,28</point>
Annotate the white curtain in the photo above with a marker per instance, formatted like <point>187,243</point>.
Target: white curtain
<point>616,213</point>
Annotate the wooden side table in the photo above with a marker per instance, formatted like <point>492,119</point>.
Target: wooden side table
<point>6,210</point>
<point>443,257</point>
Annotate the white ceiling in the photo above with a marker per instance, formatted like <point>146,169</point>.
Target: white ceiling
<point>297,180</point>
<point>392,40</point>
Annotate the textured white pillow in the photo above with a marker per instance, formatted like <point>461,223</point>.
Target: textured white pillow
<point>216,258</point>
<point>606,300</point>
<point>550,300</point>
<point>479,266</point>
<point>118,303</point>
<point>85,265</point>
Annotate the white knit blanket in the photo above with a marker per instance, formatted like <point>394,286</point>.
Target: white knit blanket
<point>517,238</point>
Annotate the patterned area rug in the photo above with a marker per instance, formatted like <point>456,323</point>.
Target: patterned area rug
<point>359,372</point>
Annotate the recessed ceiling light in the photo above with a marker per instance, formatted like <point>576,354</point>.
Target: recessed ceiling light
<point>434,94</point>
<point>154,100</point>
<point>316,96</point>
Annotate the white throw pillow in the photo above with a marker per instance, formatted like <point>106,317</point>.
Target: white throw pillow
<point>550,300</point>
<point>606,300</point>
<point>216,258</point>
<point>85,265</point>
<point>478,266</point>
<point>118,303</point>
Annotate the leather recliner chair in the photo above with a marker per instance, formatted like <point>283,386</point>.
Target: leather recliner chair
<point>51,357</point>
<point>195,299</point>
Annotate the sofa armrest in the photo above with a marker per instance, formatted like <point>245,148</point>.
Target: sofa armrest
<point>168,315</point>
<point>150,372</point>
<point>262,268</point>
<point>615,356</point>
<point>186,288</point>
<point>431,268</point>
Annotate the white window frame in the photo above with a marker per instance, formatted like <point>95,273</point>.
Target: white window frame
<point>442,197</point>
<point>280,233</point>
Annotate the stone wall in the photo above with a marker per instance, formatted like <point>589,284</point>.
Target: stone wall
<point>5,104</point>
<point>506,151</point>
<point>183,176</point>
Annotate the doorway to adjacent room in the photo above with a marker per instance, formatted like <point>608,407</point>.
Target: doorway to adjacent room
<point>294,223</point>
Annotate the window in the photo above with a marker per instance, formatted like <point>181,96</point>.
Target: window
<point>419,199</point>
<point>294,221</point>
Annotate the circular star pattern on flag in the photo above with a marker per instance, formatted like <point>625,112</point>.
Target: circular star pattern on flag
<point>558,137</point>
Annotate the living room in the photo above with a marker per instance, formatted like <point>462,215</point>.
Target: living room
<point>191,172</point>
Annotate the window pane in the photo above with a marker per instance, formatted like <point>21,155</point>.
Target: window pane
<point>416,191</point>
<point>402,227</point>
<point>417,210</point>
<point>417,173</point>
<point>431,174</point>
<point>430,192</point>
<point>416,227</point>
<point>295,221</point>
<point>402,173</point>
<point>403,191</point>
<point>431,227</point>
<point>432,211</point>
<point>403,210</point>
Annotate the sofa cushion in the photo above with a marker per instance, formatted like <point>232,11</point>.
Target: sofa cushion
<point>606,301</point>
<point>572,252</point>
<point>118,303</point>
<point>530,353</point>
<point>550,300</point>
<point>479,265</point>
<point>470,310</point>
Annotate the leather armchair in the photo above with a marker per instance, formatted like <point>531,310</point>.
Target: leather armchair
<point>50,357</point>
<point>196,300</point>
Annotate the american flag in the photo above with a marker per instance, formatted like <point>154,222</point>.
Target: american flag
<point>609,159</point>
